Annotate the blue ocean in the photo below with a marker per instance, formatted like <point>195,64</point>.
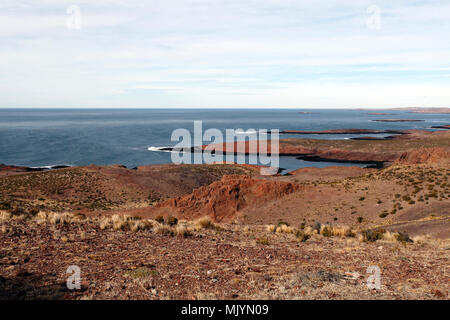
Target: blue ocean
<point>49,137</point>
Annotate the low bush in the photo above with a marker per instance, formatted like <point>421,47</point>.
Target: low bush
<point>171,221</point>
<point>373,235</point>
<point>384,214</point>
<point>403,237</point>
<point>302,236</point>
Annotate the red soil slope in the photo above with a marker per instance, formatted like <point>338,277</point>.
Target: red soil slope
<point>425,155</point>
<point>223,200</point>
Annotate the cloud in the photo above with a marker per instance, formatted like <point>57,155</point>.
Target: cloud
<point>202,53</point>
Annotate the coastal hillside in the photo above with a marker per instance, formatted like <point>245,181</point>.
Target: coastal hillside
<point>106,187</point>
<point>224,231</point>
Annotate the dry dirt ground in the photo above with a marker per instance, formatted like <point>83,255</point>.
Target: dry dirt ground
<point>220,262</point>
<point>402,195</point>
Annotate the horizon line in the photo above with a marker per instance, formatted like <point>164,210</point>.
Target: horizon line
<point>269,108</point>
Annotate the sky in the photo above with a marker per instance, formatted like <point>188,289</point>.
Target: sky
<point>224,53</point>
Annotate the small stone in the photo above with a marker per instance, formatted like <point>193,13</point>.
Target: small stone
<point>352,275</point>
<point>438,293</point>
<point>84,284</point>
<point>267,277</point>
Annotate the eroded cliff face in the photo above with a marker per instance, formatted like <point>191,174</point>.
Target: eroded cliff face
<point>425,156</point>
<point>223,200</point>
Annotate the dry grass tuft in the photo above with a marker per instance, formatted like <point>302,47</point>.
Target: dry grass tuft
<point>204,223</point>
<point>124,222</point>
<point>56,218</point>
<point>105,223</point>
<point>281,228</point>
<point>4,215</point>
<point>140,225</point>
<point>163,229</point>
<point>423,239</point>
<point>285,229</point>
<point>183,231</point>
<point>61,218</point>
<point>336,231</point>
<point>389,236</point>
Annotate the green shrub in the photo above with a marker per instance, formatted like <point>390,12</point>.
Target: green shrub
<point>142,273</point>
<point>349,233</point>
<point>384,214</point>
<point>263,240</point>
<point>171,221</point>
<point>326,232</point>
<point>316,226</point>
<point>18,211</point>
<point>33,211</point>
<point>303,237</point>
<point>403,237</point>
<point>360,219</point>
<point>373,235</point>
<point>5,206</point>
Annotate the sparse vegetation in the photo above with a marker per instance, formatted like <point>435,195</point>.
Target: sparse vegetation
<point>171,221</point>
<point>204,223</point>
<point>384,214</point>
<point>403,237</point>
<point>373,235</point>
<point>142,273</point>
<point>263,240</point>
<point>302,236</point>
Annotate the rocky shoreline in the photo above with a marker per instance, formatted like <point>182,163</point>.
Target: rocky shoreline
<point>316,158</point>
<point>398,120</point>
<point>303,149</point>
<point>344,131</point>
<point>11,169</point>
<point>441,127</point>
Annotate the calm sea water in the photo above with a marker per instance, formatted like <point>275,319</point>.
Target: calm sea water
<point>44,137</point>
